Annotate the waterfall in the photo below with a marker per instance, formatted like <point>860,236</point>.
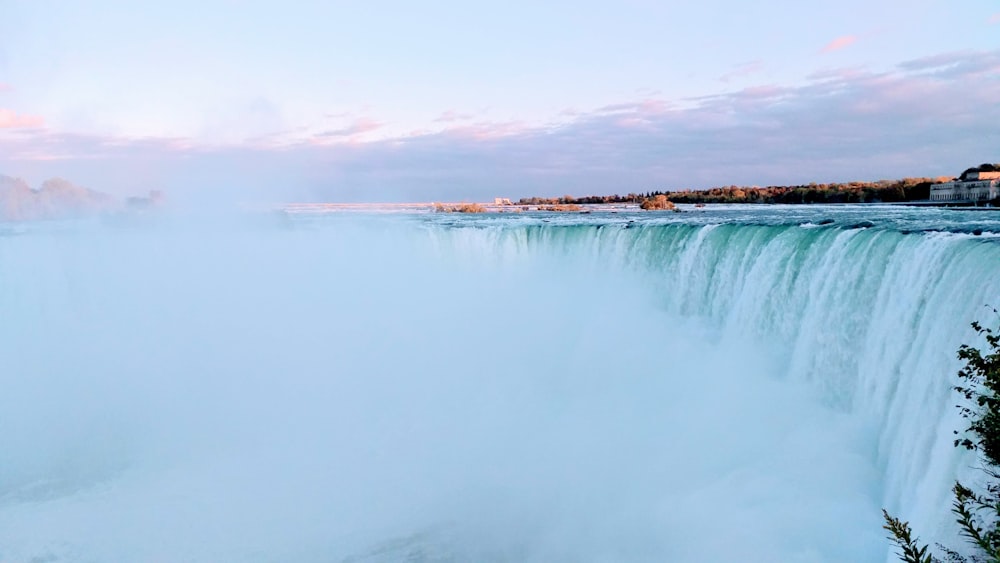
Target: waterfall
<point>871,319</point>
<point>502,390</point>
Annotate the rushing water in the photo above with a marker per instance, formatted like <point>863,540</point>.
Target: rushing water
<point>729,384</point>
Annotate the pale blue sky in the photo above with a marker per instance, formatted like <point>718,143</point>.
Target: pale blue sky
<point>393,100</point>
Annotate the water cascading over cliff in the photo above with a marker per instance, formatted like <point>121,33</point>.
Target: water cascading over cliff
<point>869,319</point>
<point>500,390</point>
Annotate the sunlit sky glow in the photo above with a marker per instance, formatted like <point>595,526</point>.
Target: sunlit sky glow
<point>386,100</point>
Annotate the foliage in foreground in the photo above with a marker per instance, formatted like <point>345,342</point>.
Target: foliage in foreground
<point>977,513</point>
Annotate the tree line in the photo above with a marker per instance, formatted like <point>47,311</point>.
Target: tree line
<point>888,191</point>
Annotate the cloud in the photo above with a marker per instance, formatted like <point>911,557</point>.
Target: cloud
<point>743,70</point>
<point>837,74</point>
<point>452,116</point>
<point>994,19</point>
<point>11,120</point>
<point>927,117</point>
<point>839,43</point>
<point>357,128</point>
<point>956,65</point>
<point>5,87</point>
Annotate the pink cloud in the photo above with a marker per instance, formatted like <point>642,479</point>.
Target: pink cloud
<point>839,43</point>
<point>5,87</point>
<point>488,130</point>
<point>358,127</point>
<point>352,133</point>
<point>11,120</point>
<point>451,116</point>
<point>742,70</point>
<point>837,74</point>
<point>764,92</point>
<point>994,19</point>
<point>631,122</point>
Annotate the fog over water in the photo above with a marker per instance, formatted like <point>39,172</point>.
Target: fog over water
<point>706,387</point>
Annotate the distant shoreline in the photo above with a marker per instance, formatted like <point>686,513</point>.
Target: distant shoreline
<point>492,208</point>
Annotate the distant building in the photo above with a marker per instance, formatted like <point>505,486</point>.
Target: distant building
<point>501,201</point>
<point>974,185</point>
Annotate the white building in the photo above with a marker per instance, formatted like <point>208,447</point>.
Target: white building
<point>973,186</point>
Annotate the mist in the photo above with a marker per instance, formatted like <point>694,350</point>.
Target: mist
<point>381,390</point>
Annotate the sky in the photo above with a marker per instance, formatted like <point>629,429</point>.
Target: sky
<point>449,100</point>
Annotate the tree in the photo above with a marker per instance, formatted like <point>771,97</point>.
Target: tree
<point>978,513</point>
